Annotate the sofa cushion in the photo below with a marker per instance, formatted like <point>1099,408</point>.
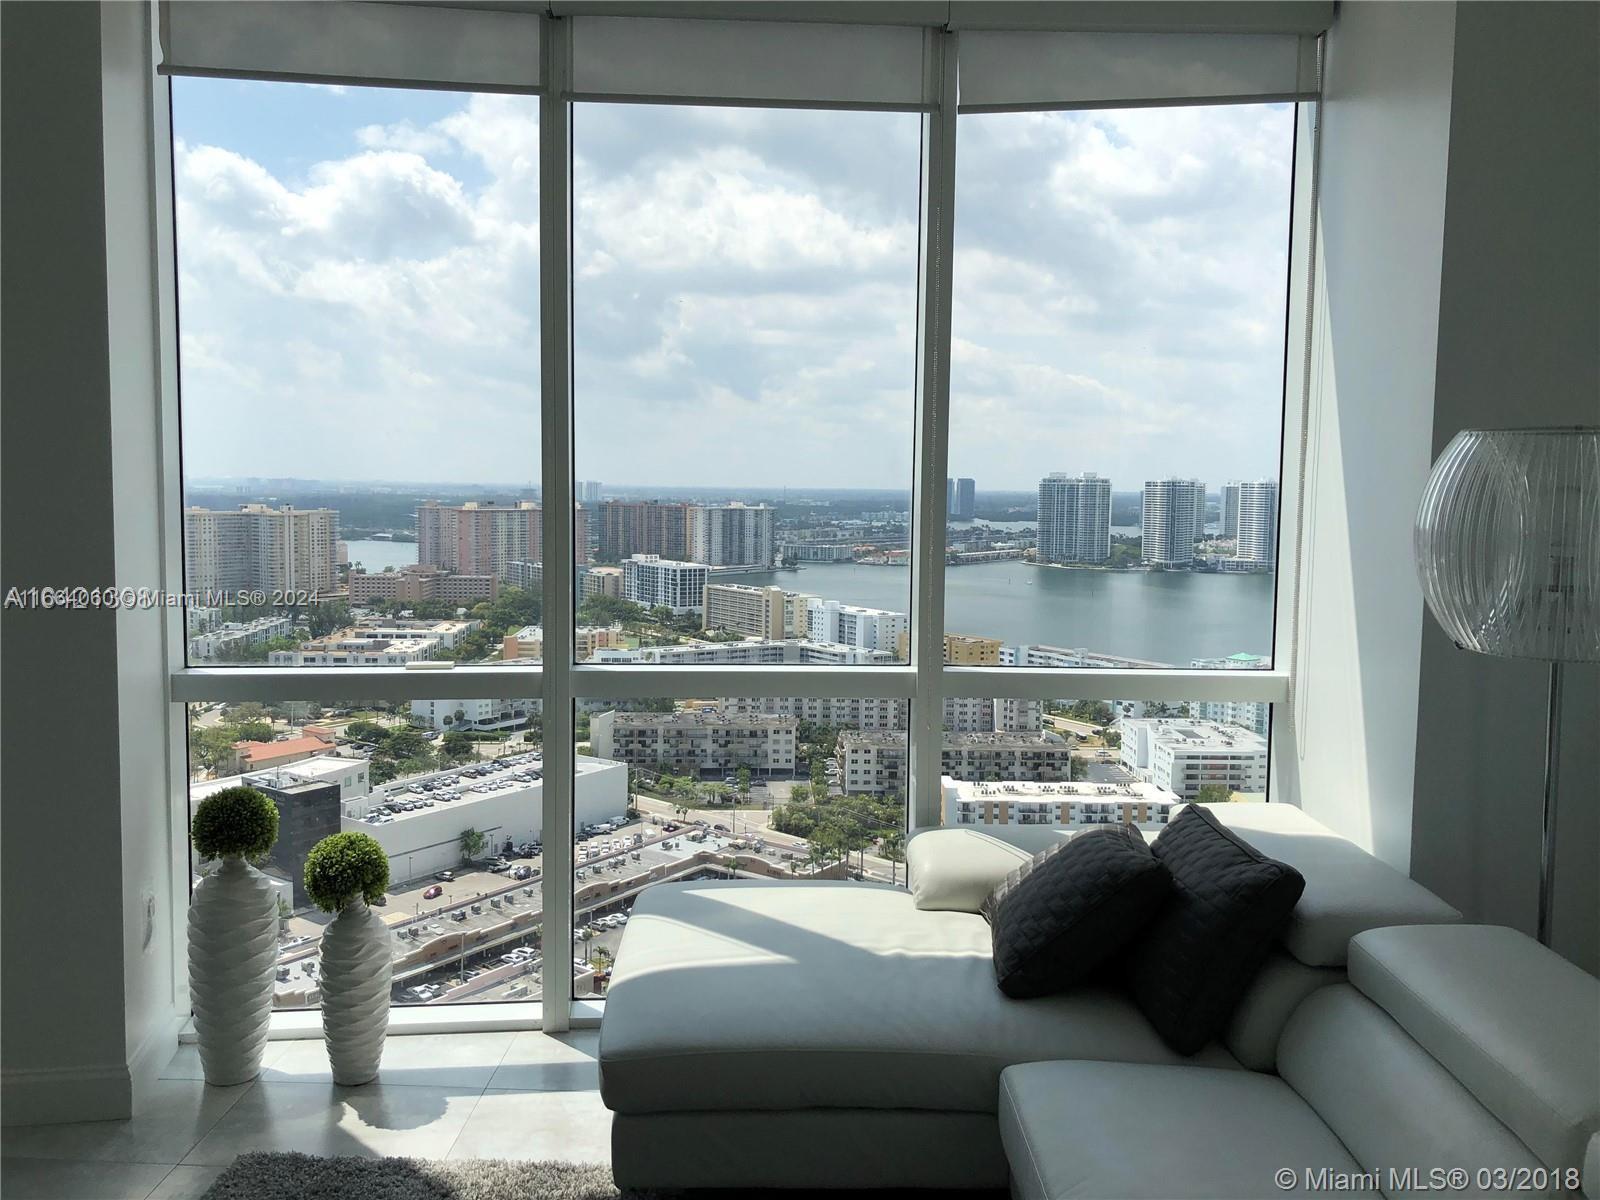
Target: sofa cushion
<point>1229,903</point>
<point>1516,1023</point>
<point>1111,1130</point>
<point>1347,889</point>
<point>755,994</point>
<point>954,870</point>
<point>1267,1004</point>
<point>1062,914</point>
<point>1389,1101</point>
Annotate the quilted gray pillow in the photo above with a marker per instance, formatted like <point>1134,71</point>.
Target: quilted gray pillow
<point>1229,903</point>
<point>1057,918</point>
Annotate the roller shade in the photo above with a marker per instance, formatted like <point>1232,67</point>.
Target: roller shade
<point>1006,71</point>
<point>668,60</point>
<point>343,41</point>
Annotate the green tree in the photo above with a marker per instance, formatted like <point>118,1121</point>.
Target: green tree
<point>743,776</point>
<point>1212,793</point>
<point>893,848</point>
<point>406,743</point>
<point>323,619</point>
<point>252,731</point>
<point>472,844</point>
<point>819,777</point>
<point>369,732</point>
<point>456,746</point>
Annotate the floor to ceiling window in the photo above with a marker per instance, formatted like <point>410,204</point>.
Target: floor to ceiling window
<point>922,470</point>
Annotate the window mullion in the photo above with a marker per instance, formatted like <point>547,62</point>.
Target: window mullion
<point>933,429</point>
<point>555,320</point>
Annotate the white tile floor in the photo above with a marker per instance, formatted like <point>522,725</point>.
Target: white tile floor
<point>466,1095</point>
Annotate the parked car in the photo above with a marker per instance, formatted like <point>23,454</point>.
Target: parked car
<point>445,876</point>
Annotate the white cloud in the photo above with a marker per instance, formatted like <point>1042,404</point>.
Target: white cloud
<point>745,296</point>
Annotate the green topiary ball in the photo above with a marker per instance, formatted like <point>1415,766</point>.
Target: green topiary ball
<point>236,820</point>
<point>344,866</point>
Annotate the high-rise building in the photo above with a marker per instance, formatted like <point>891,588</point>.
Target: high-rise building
<point>657,582</point>
<point>260,548</point>
<point>1199,511</point>
<point>1184,756</point>
<point>1230,509</point>
<point>1074,518</point>
<point>1168,534</point>
<point>852,625</point>
<point>484,539</point>
<point>629,527</point>
<point>753,611</point>
<point>960,499</point>
<point>1258,522</point>
<point>417,583</point>
<point>731,535</point>
<point>704,742</point>
<point>587,491</point>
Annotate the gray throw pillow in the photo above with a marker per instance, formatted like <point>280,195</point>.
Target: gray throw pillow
<point>1055,920</point>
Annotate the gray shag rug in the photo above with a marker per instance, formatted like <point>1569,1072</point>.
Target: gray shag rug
<point>306,1177</point>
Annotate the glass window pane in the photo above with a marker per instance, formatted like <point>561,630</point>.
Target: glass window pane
<point>359,363</point>
<point>737,788</point>
<point>1070,764</point>
<point>744,314</point>
<point>1117,383</point>
<point>457,810</point>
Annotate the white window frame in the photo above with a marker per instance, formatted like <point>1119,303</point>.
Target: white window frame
<point>926,680</point>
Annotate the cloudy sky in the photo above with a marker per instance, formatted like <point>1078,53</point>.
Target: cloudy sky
<point>358,289</point>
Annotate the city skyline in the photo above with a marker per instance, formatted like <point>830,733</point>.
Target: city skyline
<point>366,259</point>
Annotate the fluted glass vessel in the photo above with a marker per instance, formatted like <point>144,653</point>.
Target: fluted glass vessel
<point>1508,542</point>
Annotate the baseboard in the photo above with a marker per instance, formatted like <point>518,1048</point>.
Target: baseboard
<point>156,1050</point>
<point>53,1095</point>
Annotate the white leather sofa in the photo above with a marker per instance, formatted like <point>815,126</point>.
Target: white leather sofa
<point>823,1034</point>
<point>1458,1059</point>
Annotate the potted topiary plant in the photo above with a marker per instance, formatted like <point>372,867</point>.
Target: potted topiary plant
<point>344,874</point>
<point>233,934</point>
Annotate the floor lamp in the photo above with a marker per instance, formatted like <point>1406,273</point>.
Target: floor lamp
<point>1508,552</point>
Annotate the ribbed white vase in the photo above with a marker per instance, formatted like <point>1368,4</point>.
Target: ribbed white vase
<point>233,956</point>
<point>355,976</point>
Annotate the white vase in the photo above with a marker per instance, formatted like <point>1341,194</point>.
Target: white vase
<point>233,958</point>
<point>355,975</point>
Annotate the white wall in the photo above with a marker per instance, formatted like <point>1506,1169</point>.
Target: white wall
<point>1347,742</point>
<point>1519,344</point>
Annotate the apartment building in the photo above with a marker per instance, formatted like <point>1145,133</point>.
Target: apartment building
<point>960,499</point>
<point>875,760</point>
<point>234,636</point>
<point>1074,518</point>
<point>1230,509</point>
<point>260,548</point>
<point>705,742</point>
<point>731,535</point>
<point>599,581</point>
<point>754,652</point>
<point>1253,715</point>
<point>962,714</point>
<point>1182,756</point>
<point>484,539</point>
<point>587,641</point>
<point>853,625</point>
<point>629,527</point>
<point>1170,527</point>
<point>1059,805</point>
<point>421,583</point>
<point>1258,522</point>
<point>476,716</point>
<point>348,651</point>
<point>758,612</point>
<point>657,582</point>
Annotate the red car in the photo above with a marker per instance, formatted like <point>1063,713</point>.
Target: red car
<point>433,893</point>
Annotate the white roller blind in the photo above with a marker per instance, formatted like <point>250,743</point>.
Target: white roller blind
<point>750,62</point>
<point>1009,70</point>
<point>345,41</point>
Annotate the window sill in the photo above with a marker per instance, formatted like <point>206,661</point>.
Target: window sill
<point>298,1024</point>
